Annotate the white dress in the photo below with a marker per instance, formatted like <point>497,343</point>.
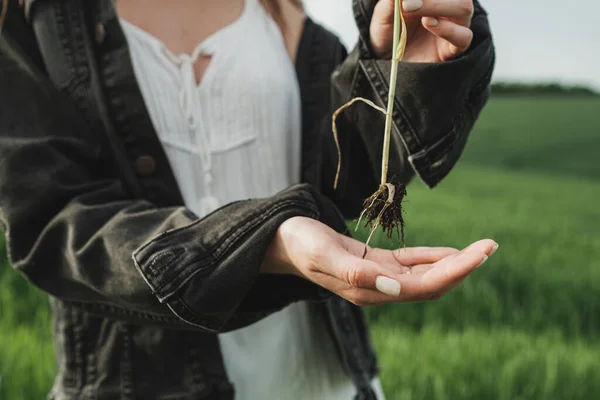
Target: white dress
<point>236,136</point>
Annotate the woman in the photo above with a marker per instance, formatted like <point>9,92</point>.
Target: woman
<point>166,176</point>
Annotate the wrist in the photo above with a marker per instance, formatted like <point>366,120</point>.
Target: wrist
<point>277,260</point>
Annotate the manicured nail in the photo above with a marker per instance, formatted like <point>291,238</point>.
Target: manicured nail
<point>494,249</point>
<point>411,5</point>
<point>387,286</point>
<point>485,258</point>
<point>431,21</point>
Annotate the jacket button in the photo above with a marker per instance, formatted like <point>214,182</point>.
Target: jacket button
<point>100,33</point>
<point>145,165</point>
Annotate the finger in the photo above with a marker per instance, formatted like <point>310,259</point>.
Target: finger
<point>361,273</point>
<point>422,286</point>
<point>460,279</point>
<point>421,259</point>
<point>383,14</point>
<point>459,37</point>
<point>387,260</point>
<point>442,277</point>
<point>354,246</point>
<point>487,246</point>
<point>422,255</point>
<point>451,269</point>
<point>357,296</point>
<point>459,10</point>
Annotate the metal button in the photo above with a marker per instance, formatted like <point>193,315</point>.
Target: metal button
<point>145,165</point>
<point>100,33</point>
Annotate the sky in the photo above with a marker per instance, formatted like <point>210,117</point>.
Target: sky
<point>536,40</point>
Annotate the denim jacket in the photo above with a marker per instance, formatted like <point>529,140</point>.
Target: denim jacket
<point>92,214</point>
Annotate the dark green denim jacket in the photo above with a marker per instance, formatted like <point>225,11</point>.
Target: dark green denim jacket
<point>93,216</point>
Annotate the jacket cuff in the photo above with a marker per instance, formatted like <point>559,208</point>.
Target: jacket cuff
<point>208,272</point>
<point>437,104</point>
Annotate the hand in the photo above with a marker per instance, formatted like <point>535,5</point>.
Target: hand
<point>310,249</point>
<point>438,30</point>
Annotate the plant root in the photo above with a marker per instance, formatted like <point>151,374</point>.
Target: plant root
<point>384,208</point>
<point>336,137</point>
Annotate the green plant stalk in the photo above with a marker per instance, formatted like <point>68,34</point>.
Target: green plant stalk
<point>398,52</point>
<point>399,45</point>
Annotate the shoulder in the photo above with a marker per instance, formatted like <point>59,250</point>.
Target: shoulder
<point>321,45</point>
<point>303,33</point>
<point>322,35</point>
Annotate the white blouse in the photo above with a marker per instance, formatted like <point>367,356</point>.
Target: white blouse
<point>234,136</point>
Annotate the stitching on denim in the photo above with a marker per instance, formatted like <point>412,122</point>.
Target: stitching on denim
<point>119,311</point>
<point>230,238</point>
<point>399,114</point>
<point>191,316</point>
<point>200,220</point>
<point>165,259</point>
<point>126,364</point>
<point>185,315</point>
<point>90,390</point>
<point>69,377</point>
<point>78,344</point>
<point>67,19</point>
<point>173,231</point>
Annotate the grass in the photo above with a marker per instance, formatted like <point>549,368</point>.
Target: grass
<point>547,271</point>
<point>554,135</point>
<point>524,326</point>
<point>26,354</point>
<point>527,324</point>
<point>482,364</point>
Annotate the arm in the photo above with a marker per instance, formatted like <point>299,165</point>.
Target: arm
<point>437,104</point>
<point>72,228</point>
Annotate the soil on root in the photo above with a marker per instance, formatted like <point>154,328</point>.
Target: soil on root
<point>384,208</point>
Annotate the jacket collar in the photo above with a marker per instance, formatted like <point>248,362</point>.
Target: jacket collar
<point>318,53</point>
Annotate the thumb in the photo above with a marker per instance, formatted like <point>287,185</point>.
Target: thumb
<point>382,26</point>
<point>383,14</point>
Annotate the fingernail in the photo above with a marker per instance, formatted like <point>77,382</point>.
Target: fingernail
<point>411,5</point>
<point>387,286</point>
<point>431,21</point>
<point>485,258</point>
<point>494,249</point>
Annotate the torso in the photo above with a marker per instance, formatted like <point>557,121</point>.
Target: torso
<point>243,120</point>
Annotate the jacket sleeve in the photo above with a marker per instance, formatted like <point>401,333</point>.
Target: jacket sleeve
<point>72,229</point>
<point>436,107</point>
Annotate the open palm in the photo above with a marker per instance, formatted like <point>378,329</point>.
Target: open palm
<point>314,251</point>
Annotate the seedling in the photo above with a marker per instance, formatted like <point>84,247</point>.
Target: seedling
<point>384,207</point>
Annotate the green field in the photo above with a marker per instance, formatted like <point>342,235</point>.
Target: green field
<point>524,326</point>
